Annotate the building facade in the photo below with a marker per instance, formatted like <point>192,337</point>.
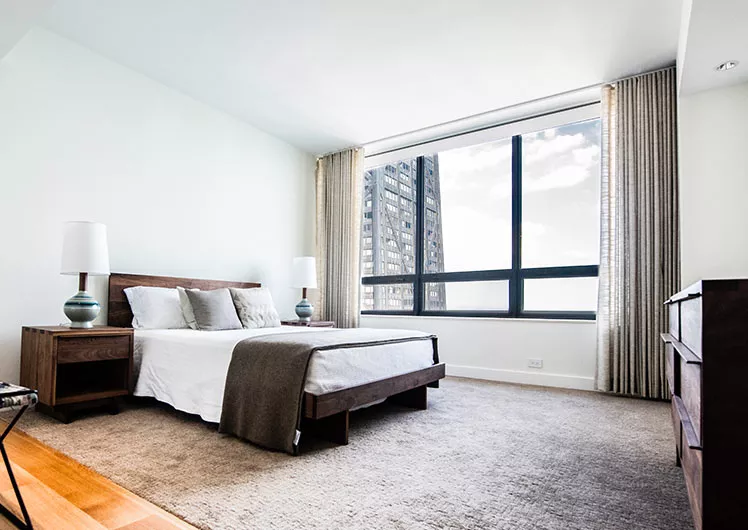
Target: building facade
<point>389,235</point>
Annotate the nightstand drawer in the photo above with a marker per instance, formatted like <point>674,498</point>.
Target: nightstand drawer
<point>85,349</point>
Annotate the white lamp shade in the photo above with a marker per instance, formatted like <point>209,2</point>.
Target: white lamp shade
<point>85,249</point>
<point>304,273</point>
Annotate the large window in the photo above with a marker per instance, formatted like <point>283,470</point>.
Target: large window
<point>508,227</point>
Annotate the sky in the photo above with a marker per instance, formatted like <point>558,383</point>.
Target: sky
<point>560,218</point>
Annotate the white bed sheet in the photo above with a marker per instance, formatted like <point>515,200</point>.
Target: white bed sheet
<point>187,368</point>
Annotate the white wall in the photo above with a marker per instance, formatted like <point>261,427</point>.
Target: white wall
<point>713,138</point>
<point>184,190</point>
<point>499,349</point>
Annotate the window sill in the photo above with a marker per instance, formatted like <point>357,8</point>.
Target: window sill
<point>484,319</point>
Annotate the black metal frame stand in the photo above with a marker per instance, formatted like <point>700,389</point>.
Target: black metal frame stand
<point>13,518</point>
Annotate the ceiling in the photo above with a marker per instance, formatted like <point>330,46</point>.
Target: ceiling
<point>16,18</point>
<point>714,31</point>
<point>324,75</point>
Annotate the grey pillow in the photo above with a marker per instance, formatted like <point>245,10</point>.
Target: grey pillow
<point>255,308</point>
<point>187,312</point>
<point>214,310</point>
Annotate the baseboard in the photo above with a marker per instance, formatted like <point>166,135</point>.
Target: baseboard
<point>521,376</point>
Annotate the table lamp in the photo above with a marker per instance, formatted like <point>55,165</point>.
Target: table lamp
<point>84,251</point>
<point>304,276</point>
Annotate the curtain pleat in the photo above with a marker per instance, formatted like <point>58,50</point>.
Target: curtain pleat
<point>639,254</point>
<point>339,182</point>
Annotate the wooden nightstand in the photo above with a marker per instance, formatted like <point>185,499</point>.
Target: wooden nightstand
<point>76,368</point>
<point>310,324</point>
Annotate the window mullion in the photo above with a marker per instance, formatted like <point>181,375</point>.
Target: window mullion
<point>419,240</point>
<point>515,281</point>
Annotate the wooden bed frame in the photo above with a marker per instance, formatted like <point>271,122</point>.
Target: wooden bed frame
<point>326,415</point>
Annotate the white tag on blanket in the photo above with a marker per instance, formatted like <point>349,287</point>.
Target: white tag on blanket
<point>297,437</point>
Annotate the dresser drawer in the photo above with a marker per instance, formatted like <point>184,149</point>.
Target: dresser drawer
<point>84,349</point>
<point>691,462</point>
<point>676,428</point>
<point>673,310</point>
<point>689,390</point>
<point>690,323</point>
<point>670,358</point>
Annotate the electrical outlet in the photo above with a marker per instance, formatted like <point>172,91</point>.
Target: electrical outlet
<point>535,363</point>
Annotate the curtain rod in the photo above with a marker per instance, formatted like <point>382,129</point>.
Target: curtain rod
<point>475,116</point>
<point>638,75</point>
<point>355,148</point>
<point>485,128</point>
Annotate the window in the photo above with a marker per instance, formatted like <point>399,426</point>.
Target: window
<point>476,213</point>
<point>508,227</point>
<point>560,196</point>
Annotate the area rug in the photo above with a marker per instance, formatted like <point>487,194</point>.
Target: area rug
<point>484,456</point>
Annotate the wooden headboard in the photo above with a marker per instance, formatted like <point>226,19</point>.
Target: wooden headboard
<point>119,313</point>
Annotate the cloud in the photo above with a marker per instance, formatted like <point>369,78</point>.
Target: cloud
<point>475,158</point>
<point>588,155</point>
<point>533,229</point>
<point>538,150</point>
<point>464,229</point>
<point>563,177</point>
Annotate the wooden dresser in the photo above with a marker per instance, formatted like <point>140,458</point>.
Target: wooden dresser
<point>707,372</point>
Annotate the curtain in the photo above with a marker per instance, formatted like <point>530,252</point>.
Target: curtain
<point>639,254</point>
<point>339,182</point>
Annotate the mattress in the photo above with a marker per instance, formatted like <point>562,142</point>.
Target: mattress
<point>187,368</point>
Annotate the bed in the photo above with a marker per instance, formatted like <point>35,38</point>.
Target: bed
<point>187,369</point>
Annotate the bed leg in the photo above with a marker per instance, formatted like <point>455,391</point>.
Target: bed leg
<point>416,398</point>
<point>333,428</point>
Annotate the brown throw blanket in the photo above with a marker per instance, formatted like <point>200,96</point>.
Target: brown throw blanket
<point>265,383</point>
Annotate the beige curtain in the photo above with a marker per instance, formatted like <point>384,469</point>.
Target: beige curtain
<point>339,182</point>
<point>639,254</point>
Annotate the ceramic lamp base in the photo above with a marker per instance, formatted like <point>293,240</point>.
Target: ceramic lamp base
<point>304,310</point>
<point>82,310</point>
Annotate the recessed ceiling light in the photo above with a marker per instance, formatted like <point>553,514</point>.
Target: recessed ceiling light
<point>727,65</point>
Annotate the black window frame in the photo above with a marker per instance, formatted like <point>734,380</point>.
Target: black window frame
<point>515,276</point>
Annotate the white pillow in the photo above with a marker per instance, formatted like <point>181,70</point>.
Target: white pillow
<point>255,308</point>
<point>187,311</point>
<point>155,308</point>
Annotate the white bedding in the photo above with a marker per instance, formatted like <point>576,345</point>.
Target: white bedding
<point>187,368</point>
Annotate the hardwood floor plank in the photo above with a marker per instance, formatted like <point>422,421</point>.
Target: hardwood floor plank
<point>62,494</point>
<point>48,510</point>
<point>153,522</point>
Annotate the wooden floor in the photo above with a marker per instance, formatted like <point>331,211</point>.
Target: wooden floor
<point>61,494</point>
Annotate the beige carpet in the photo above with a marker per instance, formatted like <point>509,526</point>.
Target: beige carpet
<point>483,456</point>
